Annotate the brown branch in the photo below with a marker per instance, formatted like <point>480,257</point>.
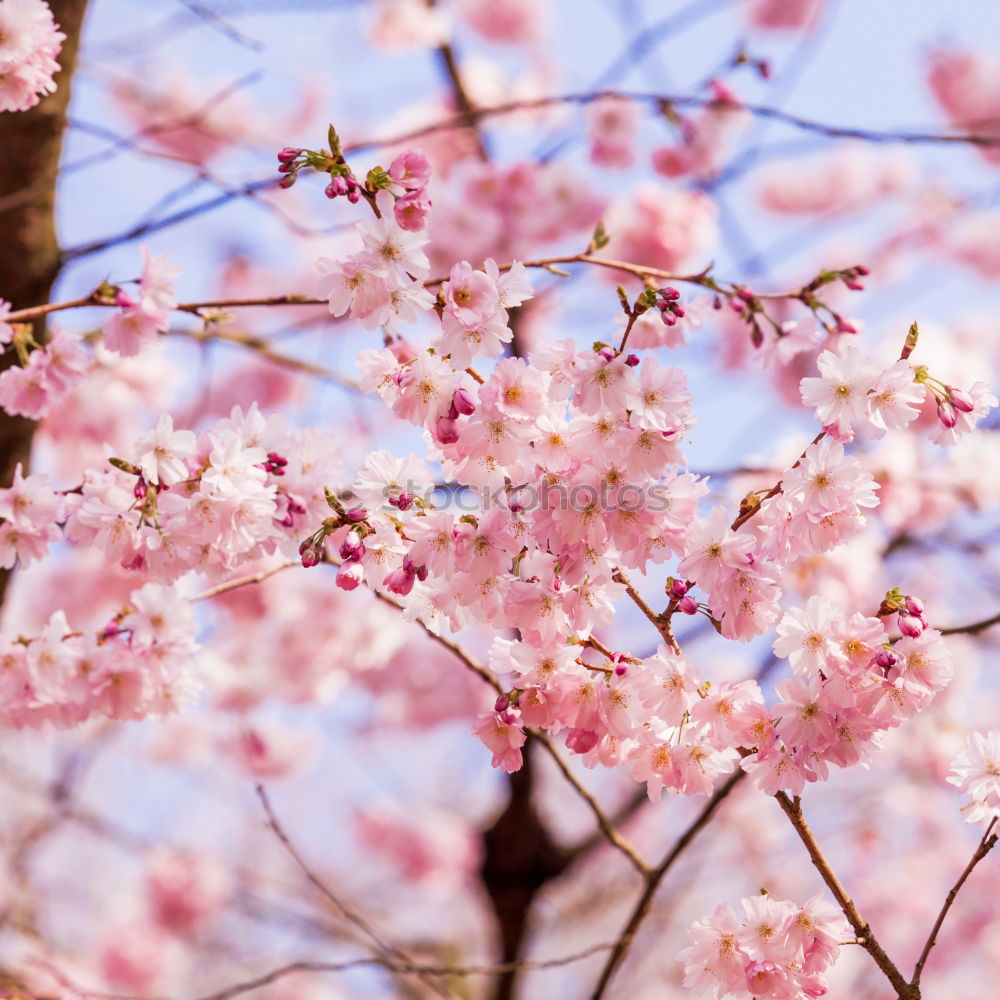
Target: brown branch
<point>605,824</point>
<point>793,810</point>
<point>660,622</point>
<point>655,877</point>
<point>263,347</point>
<point>974,629</point>
<point>681,101</point>
<point>776,488</point>
<point>544,263</point>
<point>243,581</point>
<point>464,120</point>
<point>985,846</point>
<point>448,61</point>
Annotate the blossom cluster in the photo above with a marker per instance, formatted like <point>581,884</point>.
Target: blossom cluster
<point>138,665</point>
<point>852,683</point>
<point>852,395</point>
<point>141,318</point>
<point>46,377</point>
<point>778,949</point>
<point>575,459</point>
<point>976,771</point>
<point>240,490</point>
<point>30,40</point>
<point>47,373</point>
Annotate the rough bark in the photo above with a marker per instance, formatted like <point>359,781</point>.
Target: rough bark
<point>30,148</point>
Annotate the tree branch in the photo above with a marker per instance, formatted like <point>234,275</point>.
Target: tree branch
<point>974,629</point>
<point>985,846</point>
<point>655,877</point>
<point>352,916</point>
<point>793,810</point>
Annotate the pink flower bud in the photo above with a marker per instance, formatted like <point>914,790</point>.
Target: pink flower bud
<point>463,402</point>
<point>887,659</point>
<point>844,326</point>
<point>910,625</point>
<point>311,556</point>
<point>946,414</point>
<point>632,360</point>
<point>960,400</point>
<point>287,181</point>
<point>621,669</point>
<point>446,430</point>
<point>420,572</point>
<point>688,605</point>
<point>510,716</point>
<point>350,575</point>
<point>402,502</point>
<point>399,582</point>
<point>140,489</point>
<point>357,515</point>
<point>915,606</point>
<point>288,154</point>
<point>608,353</point>
<point>678,588</point>
<point>352,548</point>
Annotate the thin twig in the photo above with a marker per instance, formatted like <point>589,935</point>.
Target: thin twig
<point>660,622</point>
<point>607,827</point>
<point>545,263</point>
<point>985,846</point>
<point>429,970</point>
<point>655,877</point>
<point>972,629</point>
<point>349,914</point>
<point>242,581</point>
<point>263,347</point>
<point>681,101</point>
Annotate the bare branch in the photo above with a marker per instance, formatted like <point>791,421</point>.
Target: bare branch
<point>660,622</point>
<point>430,970</point>
<point>793,810</point>
<point>349,914</point>
<point>985,846</point>
<point>655,877</point>
<point>242,581</point>
<point>974,629</point>
<point>903,136</point>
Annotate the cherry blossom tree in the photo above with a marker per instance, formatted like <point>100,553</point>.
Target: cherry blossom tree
<point>476,526</point>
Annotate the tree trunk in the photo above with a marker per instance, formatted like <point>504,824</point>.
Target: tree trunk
<point>31,145</point>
